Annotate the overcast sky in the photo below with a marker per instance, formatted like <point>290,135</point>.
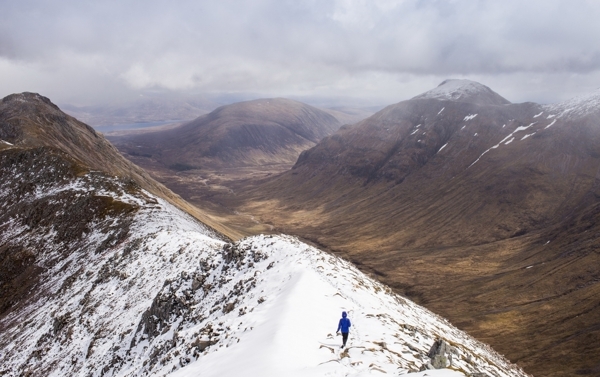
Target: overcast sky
<point>379,51</point>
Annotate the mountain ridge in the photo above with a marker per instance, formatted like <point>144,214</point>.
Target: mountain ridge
<point>31,120</point>
<point>101,277</point>
<point>463,195</point>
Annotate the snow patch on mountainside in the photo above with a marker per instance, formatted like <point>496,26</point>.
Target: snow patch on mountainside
<point>463,91</point>
<point>510,138</point>
<point>454,89</point>
<point>147,290</point>
<point>577,107</point>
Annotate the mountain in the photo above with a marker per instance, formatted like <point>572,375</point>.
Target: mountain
<point>251,133</point>
<point>29,120</point>
<point>482,210</point>
<point>101,277</point>
<point>464,91</point>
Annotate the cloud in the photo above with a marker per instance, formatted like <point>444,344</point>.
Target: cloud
<point>380,50</point>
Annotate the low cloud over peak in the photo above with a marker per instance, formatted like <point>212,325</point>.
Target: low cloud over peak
<point>382,51</point>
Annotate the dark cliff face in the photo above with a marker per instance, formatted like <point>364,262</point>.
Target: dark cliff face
<point>249,133</point>
<point>58,184</point>
<point>73,216</point>
<point>57,176</point>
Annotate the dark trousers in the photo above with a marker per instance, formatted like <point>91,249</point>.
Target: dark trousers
<point>344,338</point>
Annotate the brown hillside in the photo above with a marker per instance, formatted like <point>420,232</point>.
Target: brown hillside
<point>482,210</point>
<point>452,200</point>
<point>29,120</point>
<point>252,133</point>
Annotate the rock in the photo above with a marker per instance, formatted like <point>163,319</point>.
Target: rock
<point>439,354</point>
<point>229,307</point>
<point>439,362</point>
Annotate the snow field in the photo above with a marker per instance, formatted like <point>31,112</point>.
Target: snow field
<point>294,330</point>
<point>174,299</point>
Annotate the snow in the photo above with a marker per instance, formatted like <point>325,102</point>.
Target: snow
<point>441,111</point>
<point>537,115</point>
<point>5,142</point>
<point>528,135</point>
<point>265,306</point>
<point>577,107</point>
<point>469,117</point>
<point>293,334</point>
<point>443,146</point>
<point>454,89</point>
<point>551,124</point>
<point>416,129</point>
<point>504,141</point>
<point>510,137</point>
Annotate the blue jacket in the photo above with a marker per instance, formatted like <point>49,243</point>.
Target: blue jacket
<point>344,324</point>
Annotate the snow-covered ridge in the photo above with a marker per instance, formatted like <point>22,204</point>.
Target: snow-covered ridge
<point>168,297</point>
<point>577,107</point>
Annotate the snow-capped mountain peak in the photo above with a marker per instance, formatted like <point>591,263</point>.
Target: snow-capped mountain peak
<point>462,90</point>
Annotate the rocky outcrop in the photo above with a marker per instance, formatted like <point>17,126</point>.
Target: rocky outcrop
<point>440,355</point>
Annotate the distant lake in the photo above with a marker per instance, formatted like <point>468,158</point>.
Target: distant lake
<point>133,126</point>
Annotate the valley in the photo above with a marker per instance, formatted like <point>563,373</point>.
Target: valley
<point>105,272</point>
<point>481,210</point>
<point>273,188</point>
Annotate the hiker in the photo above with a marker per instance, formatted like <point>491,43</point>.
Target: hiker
<point>344,326</point>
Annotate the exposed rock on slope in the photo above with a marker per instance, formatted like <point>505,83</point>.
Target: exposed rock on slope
<point>253,133</point>
<point>99,277</point>
<point>29,120</point>
<point>467,203</point>
<point>147,290</point>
